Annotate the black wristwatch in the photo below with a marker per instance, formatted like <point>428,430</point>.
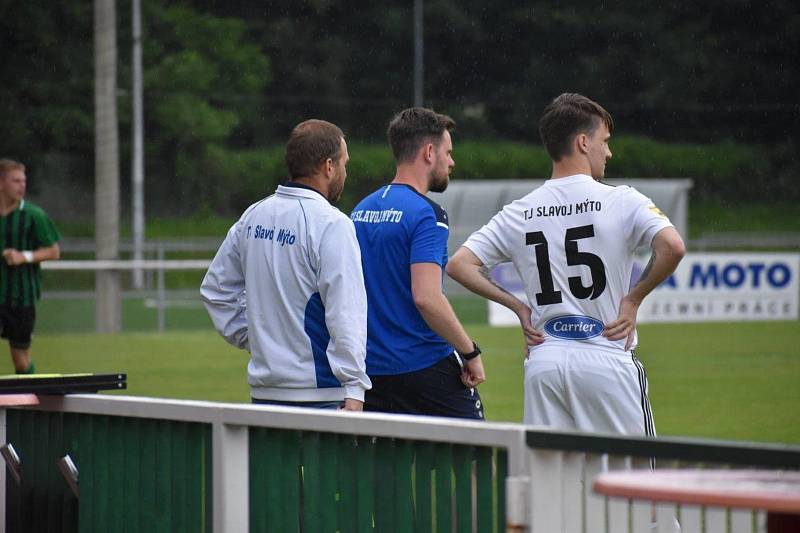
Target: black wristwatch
<point>471,355</point>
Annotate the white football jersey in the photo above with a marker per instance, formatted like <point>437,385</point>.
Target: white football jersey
<point>572,242</point>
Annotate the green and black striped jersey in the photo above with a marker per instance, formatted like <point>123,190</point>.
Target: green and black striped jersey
<point>26,228</point>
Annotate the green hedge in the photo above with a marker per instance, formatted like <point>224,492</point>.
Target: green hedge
<point>724,170</point>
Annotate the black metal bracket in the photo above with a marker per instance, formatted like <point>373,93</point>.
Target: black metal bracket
<point>70,473</point>
<point>12,461</point>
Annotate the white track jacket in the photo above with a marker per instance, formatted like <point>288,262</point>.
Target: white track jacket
<point>287,285</point>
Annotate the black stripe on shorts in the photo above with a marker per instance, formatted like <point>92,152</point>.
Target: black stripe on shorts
<point>649,427</point>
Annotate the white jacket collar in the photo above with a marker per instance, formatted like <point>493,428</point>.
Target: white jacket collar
<point>300,192</point>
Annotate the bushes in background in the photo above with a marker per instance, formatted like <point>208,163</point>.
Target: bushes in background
<point>726,170</point>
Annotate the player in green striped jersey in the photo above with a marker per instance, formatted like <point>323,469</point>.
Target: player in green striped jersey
<point>27,237</point>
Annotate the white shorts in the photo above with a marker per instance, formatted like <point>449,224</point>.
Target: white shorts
<point>587,390</point>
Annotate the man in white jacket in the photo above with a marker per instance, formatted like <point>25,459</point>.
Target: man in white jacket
<point>287,283</point>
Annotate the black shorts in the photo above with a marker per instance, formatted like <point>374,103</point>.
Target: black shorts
<point>16,325</point>
<point>434,391</point>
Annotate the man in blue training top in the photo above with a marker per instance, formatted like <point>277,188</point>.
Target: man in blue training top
<point>419,357</point>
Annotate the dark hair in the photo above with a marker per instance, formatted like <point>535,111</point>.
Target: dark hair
<point>311,143</point>
<point>565,117</point>
<point>413,127</point>
<point>7,165</point>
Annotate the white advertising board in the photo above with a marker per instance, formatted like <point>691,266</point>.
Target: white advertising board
<point>706,287</point>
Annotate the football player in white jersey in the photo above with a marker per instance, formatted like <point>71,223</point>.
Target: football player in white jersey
<point>572,242</point>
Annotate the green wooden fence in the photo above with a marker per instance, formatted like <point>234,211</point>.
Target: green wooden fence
<point>324,482</point>
<point>152,475</point>
<point>151,465</point>
<point>136,475</point>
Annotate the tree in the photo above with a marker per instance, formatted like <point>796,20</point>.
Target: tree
<point>46,100</point>
<point>203,86</point>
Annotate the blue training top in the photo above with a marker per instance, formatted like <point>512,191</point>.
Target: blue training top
<point>397,226</point>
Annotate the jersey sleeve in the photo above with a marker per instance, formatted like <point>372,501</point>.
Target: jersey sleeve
<point>643,219</point>
<point>45,231</point>
<point>491,243</point>
<point>429,238</point>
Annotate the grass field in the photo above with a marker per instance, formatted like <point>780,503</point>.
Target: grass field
<point>732,381</point>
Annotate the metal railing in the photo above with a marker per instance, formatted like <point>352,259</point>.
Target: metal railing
<point>159,266</point>
<point>171,465</point>
<point>154,247</point>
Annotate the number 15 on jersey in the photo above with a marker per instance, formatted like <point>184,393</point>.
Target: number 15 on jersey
<point>549,294</point>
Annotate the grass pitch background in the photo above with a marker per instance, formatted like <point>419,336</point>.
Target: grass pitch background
<point>720,380</point>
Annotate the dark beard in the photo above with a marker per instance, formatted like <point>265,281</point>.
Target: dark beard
<point>438,183</point>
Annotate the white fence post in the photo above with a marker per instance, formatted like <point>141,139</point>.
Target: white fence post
<point>231,459</point>
<point>594,505</point>
<point>546,491</point>
<point>517,497</point>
